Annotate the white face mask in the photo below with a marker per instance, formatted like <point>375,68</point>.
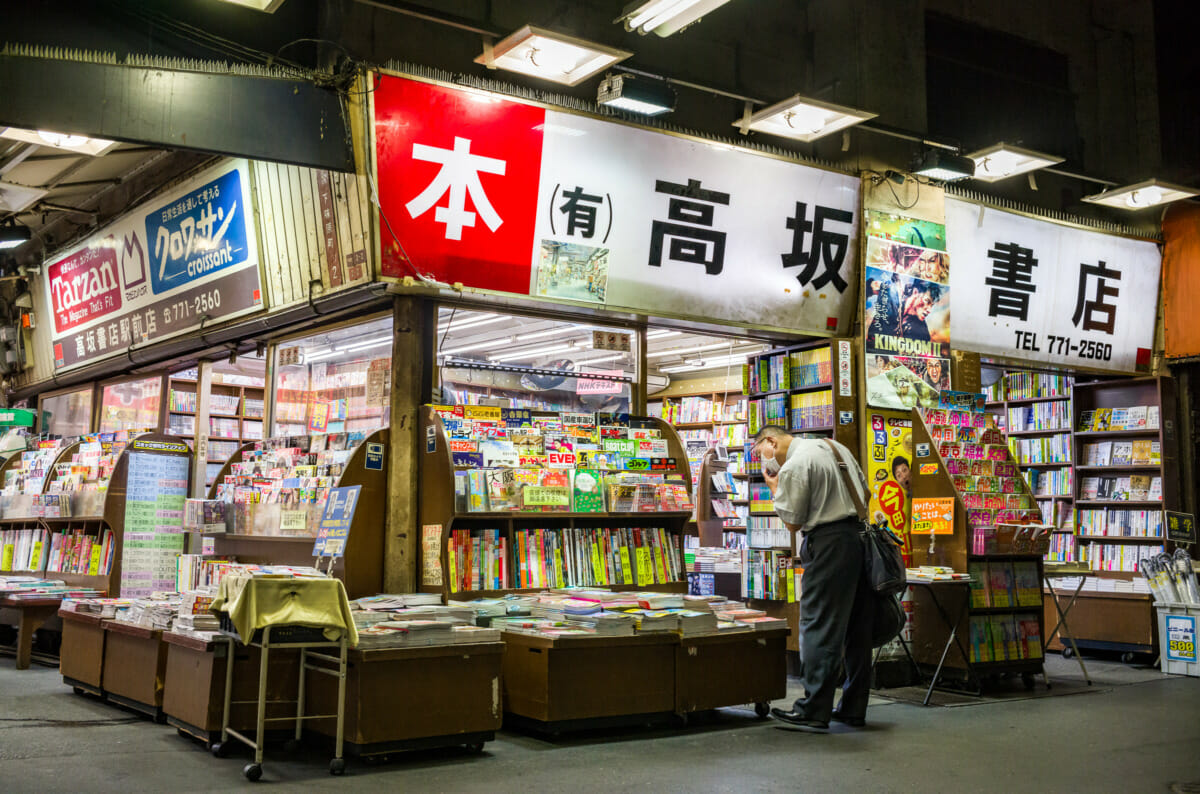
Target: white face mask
<point>771,466</point>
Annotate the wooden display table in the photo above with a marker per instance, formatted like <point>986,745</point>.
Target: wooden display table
<point>730,670</point>
<point>194,686</point>
<point>567,683</point>
<point>81,657</point>
<point>413,698</point>
<point>34,612</point>
<point>135,665</point>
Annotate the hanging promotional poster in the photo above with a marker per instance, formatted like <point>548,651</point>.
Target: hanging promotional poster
<point>889,474</point>
<point>906,303</point>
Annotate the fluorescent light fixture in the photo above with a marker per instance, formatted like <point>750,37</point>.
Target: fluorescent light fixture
<point>541,351</point>
<point>543,53</point>
<point>17,198</point>
<point>804,119</point>
<point>681,350</point>
<point>544,334</point>
<point>491,344</point>
<point>944,166</point>
<point>1002,161</point>
<point>626,92</point>
<point>266,6</point>
<point>57,140</point>
<point>367,345</point>
<point>472,322</point>
<point>1150,193</point>
<point>664,17</point>
<point>12,235</point>
<point>661,333</point>
<point>598,359</point>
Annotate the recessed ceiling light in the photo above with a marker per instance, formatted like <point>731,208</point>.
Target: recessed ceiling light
<point>804,119</point>
<point>1150,193</point>
<point>58,140</point>
<point>1003,160</point>
<point>551,56</point>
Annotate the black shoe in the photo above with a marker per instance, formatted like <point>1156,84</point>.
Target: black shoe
<point>795,721</point>
<point>853,722</point>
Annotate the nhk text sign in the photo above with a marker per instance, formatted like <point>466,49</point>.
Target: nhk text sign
<point>1040,291</point>
<point>501,195</point>
<point>185,260</point>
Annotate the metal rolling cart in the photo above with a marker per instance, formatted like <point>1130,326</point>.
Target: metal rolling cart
<point>272,616</point>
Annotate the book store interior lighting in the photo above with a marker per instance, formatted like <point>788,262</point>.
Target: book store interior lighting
<point>542,53</point>
<point>1149,193</point>
<point>944,166</point>
<point>1004,160</point>
<point>664,17</point>
<point>637,95</point>
<point>803,119</point>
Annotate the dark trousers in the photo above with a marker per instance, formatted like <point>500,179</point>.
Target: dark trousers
<point>837,607</point>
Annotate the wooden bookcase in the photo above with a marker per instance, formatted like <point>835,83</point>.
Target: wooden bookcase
<point>956,551</point>
<point>1123,621</point>
<point>711,527</point>
<point>238,424</point>
<point>361,567</point>
<point>439,517</point>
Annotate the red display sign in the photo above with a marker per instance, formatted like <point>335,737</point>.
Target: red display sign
<point>84,286</point>
<point>458,174</point>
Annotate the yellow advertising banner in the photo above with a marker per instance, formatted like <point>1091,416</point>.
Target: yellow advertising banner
<point>889,463</point>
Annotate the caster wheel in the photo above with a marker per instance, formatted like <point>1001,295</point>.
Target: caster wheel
<point>1067,653</point>
<point>337,766</point>
<point>1027,680</point>
<point>219,750</point>
<point>291,745</point>
<point>252,772</point>
<point>77,691</point>
<point>474,748</point>
<point>1127,658</point>
<point>762,710</point>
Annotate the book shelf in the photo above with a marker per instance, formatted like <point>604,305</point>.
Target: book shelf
<point>711,527</point>
<point>1113,529</point>
<point>236,415</point>
<point>442,517</point>
<point>266,535</point>
<point>982,541</point>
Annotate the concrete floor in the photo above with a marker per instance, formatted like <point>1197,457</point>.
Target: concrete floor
<point>1137,732</point>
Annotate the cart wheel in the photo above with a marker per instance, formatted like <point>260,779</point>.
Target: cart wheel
<point>291,746</point>
<point>1027,680</point>
<point>220,749</point>
<point>1067,652</point>
<point>252,772</point>
<point>337,766</point>
<point>1127,657</point>
<point>474,747</point>
<point>78,691</point>
<point>762,710</point>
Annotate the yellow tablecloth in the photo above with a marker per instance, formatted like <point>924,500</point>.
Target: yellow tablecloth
<point>254,602</point>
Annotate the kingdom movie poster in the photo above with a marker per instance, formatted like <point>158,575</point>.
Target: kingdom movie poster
<point>906,312</point>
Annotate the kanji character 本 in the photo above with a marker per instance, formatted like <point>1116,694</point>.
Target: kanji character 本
<point>458,176</point>
<point>1087,310</point>
<point>828,248</point>
<point>1011,280</point>
<point>580,209</point>
<point>690,241</point>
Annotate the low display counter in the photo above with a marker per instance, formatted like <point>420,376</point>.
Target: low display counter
<point>81,656</point>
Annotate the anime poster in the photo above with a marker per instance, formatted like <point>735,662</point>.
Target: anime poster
<point>906,303</point>
<point>889,464</point>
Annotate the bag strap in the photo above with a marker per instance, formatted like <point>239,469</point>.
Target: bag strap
<point>846,481</point>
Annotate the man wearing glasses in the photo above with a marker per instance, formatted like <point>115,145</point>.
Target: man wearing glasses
<point>836,601</point>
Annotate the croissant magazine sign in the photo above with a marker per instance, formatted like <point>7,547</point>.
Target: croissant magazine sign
<point>182,261</point>
<point>500,195</point>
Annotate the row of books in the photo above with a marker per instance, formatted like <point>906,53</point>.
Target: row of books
<point>768,373</point>
<point>998,583</point>
<point>707,559</point>
<point>1047,449</point>
<point>1040,416</point>
<point>1004,638</point>
<point>688,410</point>
<point>1137,417</point>
<point>197,571</point>
<point>811,409</point>
<point>1055,511</point>
<point>770,410</point>
<point>783,371</point>
<point>24,549</point>
<point>59,552</point>
<point>769,574</point>
<point>568,490</point>
<point>767,532</point>
<point>1136,488</point>
<point>1031,386</point>
<point>725,483</point>
<point>1051,482</point>
<point>1064,547</point>
<point>223,404</point>
<point>1142,452</point>
<point>223,427</point>
<point>1121,523</point>
<point>587,557</point>
<point>478,559</point>
<point>761,500</point>
<point>1117,556</point>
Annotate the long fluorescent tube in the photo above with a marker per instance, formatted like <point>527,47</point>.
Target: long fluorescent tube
<point>610,357</point>
<point>1002,161</point>
<point>681,350</point>
<point>804,119</point>
<point>93,147</point>
<point>542,53</point>
<point>540,352</point>
<point>664,17</point>
<point>544,334</point>
<point>12,235</point>
<point>472,322</point>
<point>661,333</point>
<point>1149,193</point>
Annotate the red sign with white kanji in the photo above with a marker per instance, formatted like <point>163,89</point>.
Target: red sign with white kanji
<point>458,184</point>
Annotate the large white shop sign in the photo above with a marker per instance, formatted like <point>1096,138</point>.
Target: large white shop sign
<point>1040,291</point>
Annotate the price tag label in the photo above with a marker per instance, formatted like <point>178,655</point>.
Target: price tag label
<point>1181,638</point>
<point>293,520</point>
<point>626,566</point>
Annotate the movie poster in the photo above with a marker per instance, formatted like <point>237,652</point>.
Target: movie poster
<point>906,302</point>
<point>889,473</point>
